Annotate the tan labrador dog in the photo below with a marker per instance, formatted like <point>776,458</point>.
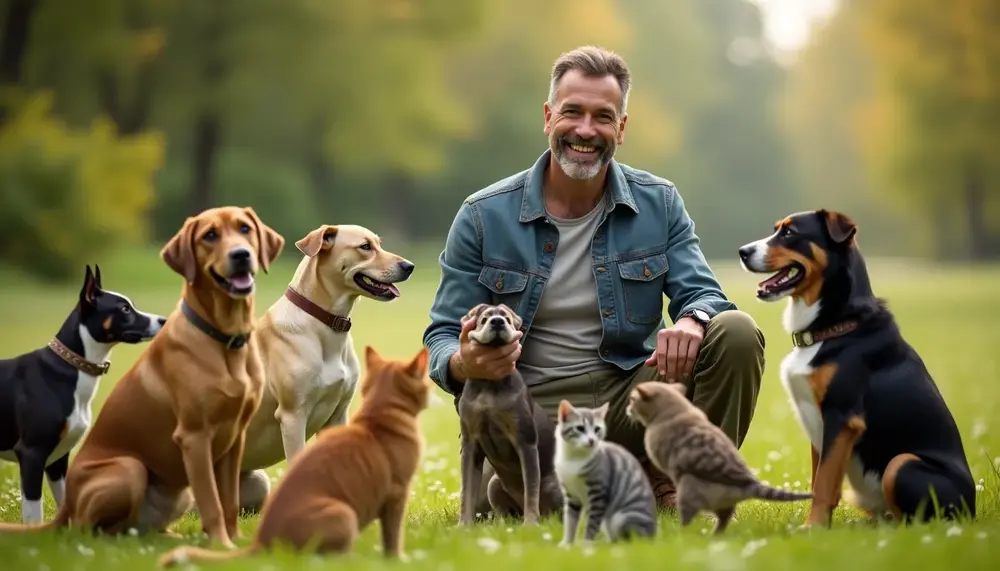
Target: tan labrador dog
<point>175,422</point>
<point>311,365</point>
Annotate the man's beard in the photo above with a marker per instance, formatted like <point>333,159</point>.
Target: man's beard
<point>578,168</point>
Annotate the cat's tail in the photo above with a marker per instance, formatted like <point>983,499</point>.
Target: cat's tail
<point>770,493</point>
<point>189,553</point>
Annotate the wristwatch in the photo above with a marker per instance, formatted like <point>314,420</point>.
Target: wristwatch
<point>698,315</point>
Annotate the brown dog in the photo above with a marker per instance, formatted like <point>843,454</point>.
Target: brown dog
<point>175,423</point>
<point>351,474</point>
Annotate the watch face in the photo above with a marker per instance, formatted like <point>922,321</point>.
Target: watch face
<point>701,316</point>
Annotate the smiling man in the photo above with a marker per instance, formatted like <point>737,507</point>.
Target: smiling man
<point>584,249</point>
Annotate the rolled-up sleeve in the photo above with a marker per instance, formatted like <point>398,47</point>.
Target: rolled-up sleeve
<point>458,291</point>
<point>690,283</point>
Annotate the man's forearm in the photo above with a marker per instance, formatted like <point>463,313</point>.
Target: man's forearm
<point>456,368</point>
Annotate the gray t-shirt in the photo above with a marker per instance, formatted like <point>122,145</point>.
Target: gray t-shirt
<point>565,334</point>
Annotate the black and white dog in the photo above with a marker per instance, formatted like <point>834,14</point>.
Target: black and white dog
<point>46,394</point>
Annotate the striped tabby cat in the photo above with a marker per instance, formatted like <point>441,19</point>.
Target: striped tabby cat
<point>602,477</point>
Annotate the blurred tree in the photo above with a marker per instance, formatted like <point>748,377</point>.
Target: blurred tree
<point>68,195</point>
<point>823,117</point>
<point>14,36</point>
<point>933,128</point>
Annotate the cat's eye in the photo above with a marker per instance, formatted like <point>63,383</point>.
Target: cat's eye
<point>580,429</point>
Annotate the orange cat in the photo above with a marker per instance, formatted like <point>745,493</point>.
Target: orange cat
<point>350,475</point>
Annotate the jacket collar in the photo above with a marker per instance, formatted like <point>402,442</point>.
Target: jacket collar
<point>533,206</point>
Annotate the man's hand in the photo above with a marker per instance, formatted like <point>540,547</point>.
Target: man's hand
<point>677,349</point>
<point>474,360</point>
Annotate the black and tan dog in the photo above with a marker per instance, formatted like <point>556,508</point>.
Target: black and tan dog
<point>868,404</point>
<point>503,425</point>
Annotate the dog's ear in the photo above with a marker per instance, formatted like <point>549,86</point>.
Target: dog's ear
<point>565,409</point>
<point>643,392</point>
<point>319,239</point>
<point>839,226</point>
<point>88,292</point>
<point>418,366</point>
<point>269,242</point>
<point>515,318</point>
<point>475,312</point>
<point>178,253</point>
<point>97,277</point>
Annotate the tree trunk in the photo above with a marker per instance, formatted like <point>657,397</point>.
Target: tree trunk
<point>400,205</point>
<point>208,124</point>
<point>132,118</point>
<point>14,45</point>
<point>983,243</point>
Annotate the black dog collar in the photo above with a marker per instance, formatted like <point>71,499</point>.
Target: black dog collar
<point>230,341</point>
<point>807,338</point>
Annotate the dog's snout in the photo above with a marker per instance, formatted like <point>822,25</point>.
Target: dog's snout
<point>497,322</point>
<point>406,266</point>
<point>746,252</point>
<point>239,255</point>
<point>161,320</point>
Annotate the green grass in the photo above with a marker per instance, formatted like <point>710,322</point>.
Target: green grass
<point>948,312</point>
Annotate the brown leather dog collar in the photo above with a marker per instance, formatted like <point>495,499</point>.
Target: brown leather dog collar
<point>807,338</point>
<point>335,322</point>
<point>74,359</point>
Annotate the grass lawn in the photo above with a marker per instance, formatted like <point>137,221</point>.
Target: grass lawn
<point>948,313</point>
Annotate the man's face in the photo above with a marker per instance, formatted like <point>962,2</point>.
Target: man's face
<point>584,126</point>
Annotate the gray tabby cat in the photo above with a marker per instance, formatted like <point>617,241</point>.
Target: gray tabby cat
<point>602,477</point>
<point>696,455</point>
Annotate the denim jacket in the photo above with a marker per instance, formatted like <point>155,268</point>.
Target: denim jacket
<point>500,249</point>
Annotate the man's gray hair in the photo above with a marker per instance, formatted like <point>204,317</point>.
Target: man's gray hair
<point>592,61</point>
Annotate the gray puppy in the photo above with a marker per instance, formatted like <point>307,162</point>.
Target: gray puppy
<point>502,424</point>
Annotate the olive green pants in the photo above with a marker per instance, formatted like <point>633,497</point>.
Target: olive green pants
<point>725,383</point>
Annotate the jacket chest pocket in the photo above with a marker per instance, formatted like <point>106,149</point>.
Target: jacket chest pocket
<point>506,286</point>
<point>642,287</point>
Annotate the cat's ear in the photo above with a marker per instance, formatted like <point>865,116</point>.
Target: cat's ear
<point>601,411</point>
<point>643,391</point>
<point>681,388</point>
<point>565,409</point>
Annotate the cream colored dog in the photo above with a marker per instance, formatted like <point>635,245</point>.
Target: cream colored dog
<point>310,362</point>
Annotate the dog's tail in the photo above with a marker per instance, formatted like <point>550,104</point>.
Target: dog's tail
<point>765,492</point>
<point>188,553</point>
<point>58,522</point>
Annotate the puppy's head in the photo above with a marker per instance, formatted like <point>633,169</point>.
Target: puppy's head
<point>495,324</point>
<point>396,383</point>
<point>225,246</point>
<point>110,318</point>
<point>805,249</point>
<point>351,257</point>
<point>652,399</point>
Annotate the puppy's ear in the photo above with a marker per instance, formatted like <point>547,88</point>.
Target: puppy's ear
<point>565,409</point>
<point>839,226</point>
<point>88,292</point>
<point>319,239</point>
<point>178,253</point>
<point>475,312</point>
<point>269,243</point>
<point>418,366</point>
<point>515,318</point>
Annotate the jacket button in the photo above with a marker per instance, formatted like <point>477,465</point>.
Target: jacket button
<point>499,284</point>
<point>549,248</point>
<point>602,269</point>
<point>645,271</point>
<point>607,313</point>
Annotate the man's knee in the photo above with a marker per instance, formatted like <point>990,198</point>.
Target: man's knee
<point>737,331</point>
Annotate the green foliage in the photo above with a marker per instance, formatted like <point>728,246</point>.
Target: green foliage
<point>67,196</point>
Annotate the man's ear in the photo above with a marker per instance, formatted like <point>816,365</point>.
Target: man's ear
<point>178,253</point>
<point>320,239</point>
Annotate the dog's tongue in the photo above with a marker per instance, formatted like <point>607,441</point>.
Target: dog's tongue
<point>242,281</point>
<point>773,280</point>
<point>393,289</point>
